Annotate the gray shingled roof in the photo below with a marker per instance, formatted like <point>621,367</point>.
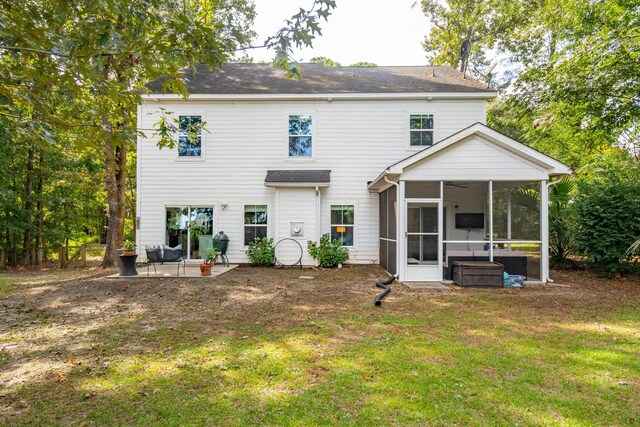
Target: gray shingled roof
<point>298,176</point>
<point>253,79</point>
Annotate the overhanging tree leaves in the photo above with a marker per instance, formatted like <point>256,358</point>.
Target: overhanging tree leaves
<point>453,22</point>
<point>570,66</point>
<point>81,67</point>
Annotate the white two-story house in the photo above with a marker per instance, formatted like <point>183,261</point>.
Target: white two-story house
<point>396,162</point>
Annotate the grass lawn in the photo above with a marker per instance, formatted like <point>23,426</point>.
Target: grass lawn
<point>264,347</point>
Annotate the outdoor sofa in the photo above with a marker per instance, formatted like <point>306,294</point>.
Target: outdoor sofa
<point>515,262</point>
<point>164,254</point>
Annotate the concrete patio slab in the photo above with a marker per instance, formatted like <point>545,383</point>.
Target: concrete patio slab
<point>192,269</point>
<point>426,286</point>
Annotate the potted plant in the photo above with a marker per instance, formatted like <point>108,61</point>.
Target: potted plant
<point>129,248</point>
<point>196,229</point>
<point>207,263</point>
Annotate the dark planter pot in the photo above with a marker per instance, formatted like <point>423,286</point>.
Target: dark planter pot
<point>205,269</point>
<point>128,265</point>
<point>118,260</point>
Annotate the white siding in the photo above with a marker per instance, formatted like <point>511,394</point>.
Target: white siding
<point>297,205</point>
<point>477,160</point>
<point>356,140</point>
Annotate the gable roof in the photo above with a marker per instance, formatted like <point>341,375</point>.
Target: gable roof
<point>551,165</point>
<point>264,79</point>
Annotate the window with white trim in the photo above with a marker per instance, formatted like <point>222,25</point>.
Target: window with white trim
<point>255,222</point>
<point>190,136</point>
<point>421,130</point>
<point>300,135</point>
<point>343,223</point>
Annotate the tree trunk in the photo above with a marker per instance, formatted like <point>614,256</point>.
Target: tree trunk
<point>28,206</point>
<point>121,180</point>
<point>115,150</point>
<point>131,202</point>
<point>40,209</point>
<point>116,173</point>
<point>115,162</point>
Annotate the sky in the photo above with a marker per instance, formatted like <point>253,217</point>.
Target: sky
<point>386,32</point>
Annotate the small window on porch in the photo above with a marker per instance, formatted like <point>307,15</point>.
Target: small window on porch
<point>255,222</point>
<point>342,223</point>
<point>421,130</point>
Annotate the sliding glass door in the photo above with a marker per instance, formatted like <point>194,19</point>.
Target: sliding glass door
<point>191,227</point>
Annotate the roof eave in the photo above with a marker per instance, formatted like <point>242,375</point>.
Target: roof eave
<point>427,96</point>
<point>297,184</point>
<point>379,184</point>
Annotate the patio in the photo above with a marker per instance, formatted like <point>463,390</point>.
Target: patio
<point>192,269</point>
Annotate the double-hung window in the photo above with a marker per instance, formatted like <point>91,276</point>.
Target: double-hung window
<point>255,222</point>
<point>300,135</point>
<point>342,223</point>
<point>421,130</point>
<point>190,136</point>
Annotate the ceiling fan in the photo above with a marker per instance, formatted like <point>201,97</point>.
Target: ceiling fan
<point>457,184</point>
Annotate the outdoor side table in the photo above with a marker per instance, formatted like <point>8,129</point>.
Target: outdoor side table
<point>478,273</point>
<point>128,265</point>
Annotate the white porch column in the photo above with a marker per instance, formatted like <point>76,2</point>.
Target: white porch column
<point>491,221</point>
<point>544,231</point>
<point>441,248</point>
<point>401,237</point>
<point>509,217</point>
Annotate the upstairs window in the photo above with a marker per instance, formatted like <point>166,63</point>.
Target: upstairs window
<point>255,222</point>
<point>190,136</point>
<point>421,130</point>
<point>300,135</point>
<point>342,223</point>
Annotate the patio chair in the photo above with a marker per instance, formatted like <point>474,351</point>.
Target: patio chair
<point>165,254</point>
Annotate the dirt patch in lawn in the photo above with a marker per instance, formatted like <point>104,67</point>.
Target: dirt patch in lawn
<point>61,330</point>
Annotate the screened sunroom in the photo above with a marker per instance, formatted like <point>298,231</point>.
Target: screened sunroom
<point>476,196</point>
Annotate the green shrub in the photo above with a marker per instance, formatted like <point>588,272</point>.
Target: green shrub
<point>608,222</point>
<point>561,223</point>
<point>329,253</point>
<point>261,252</point>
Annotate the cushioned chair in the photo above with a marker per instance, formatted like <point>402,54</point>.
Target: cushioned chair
<point>165,254</point>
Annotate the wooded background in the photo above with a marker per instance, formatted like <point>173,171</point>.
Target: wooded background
<point>72,72</point>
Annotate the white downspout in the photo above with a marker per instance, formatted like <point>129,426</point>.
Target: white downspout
<point>318,214</point>
<point>395,208</point>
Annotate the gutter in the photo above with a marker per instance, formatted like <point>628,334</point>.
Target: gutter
<point>383,176</point>
<point>329,97</point>
<point>315,185</point>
